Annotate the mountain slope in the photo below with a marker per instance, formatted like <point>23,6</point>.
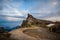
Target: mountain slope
<point>30,20</point>
<point>19,35</point>
<point>35,29</point>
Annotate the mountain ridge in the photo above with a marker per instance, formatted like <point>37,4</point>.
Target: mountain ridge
<point>30,20</point>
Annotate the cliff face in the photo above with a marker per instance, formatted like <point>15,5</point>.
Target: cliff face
<point>30,20</point>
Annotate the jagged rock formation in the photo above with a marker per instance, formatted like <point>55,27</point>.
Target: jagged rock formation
<point>30,21</point>
<point>33,21</point>
<point>55,28</point>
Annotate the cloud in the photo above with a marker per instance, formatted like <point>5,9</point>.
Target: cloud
<point>15,10</point>
<point>13,19</point>
<point>10,18</point>
<point>25,12</point>
<point>17,13</point>
<point>11,11</point>
<point>41,8</point>
<point>44,9</point>
<point>55,18</point>
<point>1,6</point>
<point>54,3</point>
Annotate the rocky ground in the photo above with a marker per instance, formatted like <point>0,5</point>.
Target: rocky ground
<point>19,35</point>
<point>43,34</point>
<point>36,33</point>
<point>4,34</point>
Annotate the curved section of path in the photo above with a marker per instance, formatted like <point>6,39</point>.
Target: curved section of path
<point>19,35</point>
<point>41,34</point>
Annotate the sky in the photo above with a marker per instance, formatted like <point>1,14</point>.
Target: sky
<point>13,12</point>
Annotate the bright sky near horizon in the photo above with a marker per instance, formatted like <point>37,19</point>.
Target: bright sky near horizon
<point>16,10</point>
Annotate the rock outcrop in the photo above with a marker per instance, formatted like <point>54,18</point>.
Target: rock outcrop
<point>55,27</point>
<point>4,34</point>
<point>30,20</point>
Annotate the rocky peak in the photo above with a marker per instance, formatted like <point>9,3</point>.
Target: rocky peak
<point>30,16</point>
<point>34,21</point>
